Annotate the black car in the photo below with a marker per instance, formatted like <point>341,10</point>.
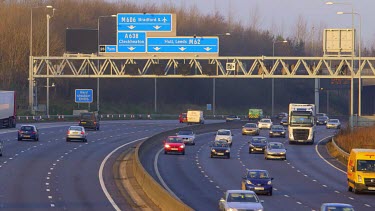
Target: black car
<point>257,144</point>
<point>28,132</point>
<point>220,149</point>
<point>284,121</point>
<point>277,131</point>
<point>322,120</point>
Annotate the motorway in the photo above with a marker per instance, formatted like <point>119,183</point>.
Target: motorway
<point>303,182</point>
<point>53,174</point>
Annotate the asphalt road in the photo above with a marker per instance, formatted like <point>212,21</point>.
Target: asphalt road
<point>303,182</point>
<point>53,174</point>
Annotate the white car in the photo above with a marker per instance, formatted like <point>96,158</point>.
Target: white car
<point>224,134</point>
<point>240,200</point>
<point>188,136</point>
<point>77,133</point>
<point>265,124</point>
<point>333,123</point>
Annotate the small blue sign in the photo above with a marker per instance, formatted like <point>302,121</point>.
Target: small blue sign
<point>110,48</point>
<point>83,95</point>
<point>182,45</point>
<point>209,107</point>
<point>160,22</point>
<point>128,42</point>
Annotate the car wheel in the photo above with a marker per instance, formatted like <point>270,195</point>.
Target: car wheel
<point>193,143</point>
<point>67,139</point>
<point>350,189</point>
<point>183,152</point>
<point>165,152</point>
<point>250,151</point>
<point>355,191</point>
<point>19,139</point>
<point>228,156</point>
<point>270,193</point>
<point>85,140</point>
<point>37,139</point>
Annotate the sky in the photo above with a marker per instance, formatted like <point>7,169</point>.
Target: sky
<point>280,16</point>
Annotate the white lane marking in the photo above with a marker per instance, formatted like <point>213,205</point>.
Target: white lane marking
<point>286,196</point>
<point>47,183</point>
<point>47,178</point>
<point>299,202</point>
<point>324,186</point>
<point>351,198</point>
<point>50,197</point>
<point>101,180</point>
<point>337,191</point>
<point>367,205</point>
<point>321,157</point>
<point>52,205</point>
<point>48,190</point>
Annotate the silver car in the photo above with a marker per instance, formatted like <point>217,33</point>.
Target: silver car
<point>336,206</point>
<point>333,123</point>
<point>240,200</point>
<point>275,150</point>
<point>77,133</point>
<point>265,124</point>
<point>188,136</point>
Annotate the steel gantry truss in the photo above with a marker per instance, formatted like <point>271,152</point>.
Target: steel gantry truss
<point>199,67</point>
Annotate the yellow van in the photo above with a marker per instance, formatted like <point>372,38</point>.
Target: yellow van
<point>361,170</point>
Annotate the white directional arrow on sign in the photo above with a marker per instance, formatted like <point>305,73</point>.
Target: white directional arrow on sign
<point>131,27</point>
<point>182,48</point>
<point>157,27</point>
<point>131,48</point>
<point>157,48</point>
<point>207,48</point>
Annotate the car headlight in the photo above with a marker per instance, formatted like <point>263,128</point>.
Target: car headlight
<point>271,132</point>
<point>259,210</point>
<point>248,182</point>
<point>359,179</point>
<point>232,209</point>
<point>283,132</point>
<point>269,182</point>
<point>182,146</point>
<point>167,146</point>
<point>213,150</point>
<point>227,151</point>
<point>282,153</point>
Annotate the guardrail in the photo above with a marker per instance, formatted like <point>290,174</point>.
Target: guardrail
<point>344,154</point>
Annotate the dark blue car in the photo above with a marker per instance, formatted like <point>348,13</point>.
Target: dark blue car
<point>258,181</point>
<point>28,132</point>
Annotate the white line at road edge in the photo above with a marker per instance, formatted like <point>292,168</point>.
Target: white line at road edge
<point>317,152</point>
<point>101,180</point>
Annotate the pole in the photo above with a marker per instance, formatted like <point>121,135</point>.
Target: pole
<point>97,95</point>
<point>213,96</point>
<point>273,83</point>
<point>155,101</point>
<point>327,102</point>
<point>360,69</point>
<point>351,74</point>
<point>317,95</point>
<point>48,17</point>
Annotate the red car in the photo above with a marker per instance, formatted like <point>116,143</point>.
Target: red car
<point>174,144</point>
<point>183,118</point>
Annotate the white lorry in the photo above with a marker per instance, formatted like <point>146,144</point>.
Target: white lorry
<point>301,126</point>
<point>7,109</point>
<point>195,117</point>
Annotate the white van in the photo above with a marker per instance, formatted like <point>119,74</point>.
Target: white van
<point>195,117</point>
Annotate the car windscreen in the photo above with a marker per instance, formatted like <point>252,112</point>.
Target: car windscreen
<point>220,144</point>
<point>223,133</point>
<point>366,165</point>
<point>265,120</point>
<point>87,116</point>
<point>257,175</point>
<point>259,140</point>
<point>76,128</point>
<point>27,128</point>
<point>175,140</point>
<point>277,127</point>
<point>242,197</point>
<point>276,146</point>
<point>185,132</point>
<point>251,125</point>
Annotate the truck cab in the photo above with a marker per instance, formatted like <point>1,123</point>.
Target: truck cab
<point>301,127</point>
<point>361,170</point>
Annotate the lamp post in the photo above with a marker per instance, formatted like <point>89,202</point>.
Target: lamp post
<point>48,17</point>
<point>273,79</point>
<point>359,59</point>
<point>352,65</point>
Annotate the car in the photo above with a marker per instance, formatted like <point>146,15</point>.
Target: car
<point>220,148</point>
<point>257,180</point>
<point>281,115</point>
<point>265,124</point>
<point>28,132</point>
<point>240,200</point>
<point>275,150</point>
<point>182,118</point>
<point>284,121</point>
<point>232,118</point>
<point>76,133</point>
<point>174,144</point>
<point>188,136</point>
<point>89,120</point>
<point>277,131</point>
<point>322,120</point>
<point>333,123</point>
<point>224,134</point>
<point>250,129</point>
<point>336,207</point>
<point>257,144</point>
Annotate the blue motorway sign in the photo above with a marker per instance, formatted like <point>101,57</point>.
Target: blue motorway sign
<point>83,95</point>
<point>182,45</point>
<point>108,48</point>
<point>128,42</point>
<point>160,22</point>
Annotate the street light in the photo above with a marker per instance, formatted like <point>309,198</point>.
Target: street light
<point>327,91</point>
<point>273,79</point>
<point>31,25</point>
<point>359,59</point>
<point>48,17</point>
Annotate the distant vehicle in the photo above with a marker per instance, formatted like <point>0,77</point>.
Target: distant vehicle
<point>188,136</point>
<point>240,200</point>
<point>89,120</point>
<point>301,125</point>
<point>220,148</point>
<point>361,170</point>
<point>224,134</point>
<point>232,118</point>
<point>320,114</point>
<point>257,144</point>
<point>258,181</point>
<point>265,124</point>
<point>322,120</point>
<point>195,117</point>
<point>255,114</point>
<point>8,114</point>
<point>284,121</point>
<point>174,144</point>
<point>336,207</point>
<point>250,129</point>
<point>29,132</point>
<point>182,118</point>
<point>333,123</point>
<point>76,133</point>
<point>275,150</point>
<point>281,115</point>
<point>277,131</point>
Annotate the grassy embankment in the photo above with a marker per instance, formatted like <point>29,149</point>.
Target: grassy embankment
<point>358,138</point>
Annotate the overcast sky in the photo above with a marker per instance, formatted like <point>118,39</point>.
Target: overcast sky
<point>280,16</point>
